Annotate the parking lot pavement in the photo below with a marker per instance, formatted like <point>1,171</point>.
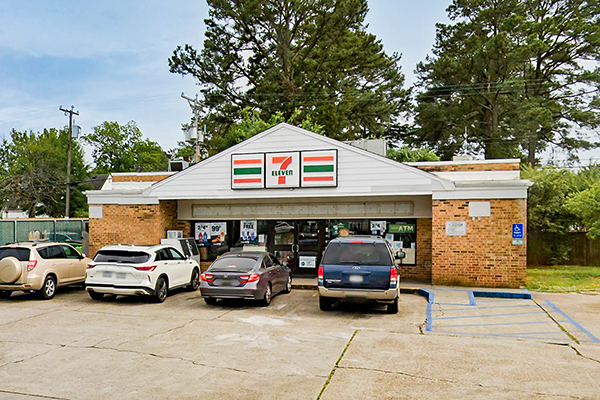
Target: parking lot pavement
<point>129,348</point>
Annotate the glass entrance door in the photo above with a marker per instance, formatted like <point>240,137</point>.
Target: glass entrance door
<point>298,243</point>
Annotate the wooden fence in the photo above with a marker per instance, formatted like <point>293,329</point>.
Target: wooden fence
<point>568,249</point>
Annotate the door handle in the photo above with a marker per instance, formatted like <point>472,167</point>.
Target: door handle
<point>295,248</point>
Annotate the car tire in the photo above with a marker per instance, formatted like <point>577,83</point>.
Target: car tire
<point>96,295</point>
<point>392,308</point>
<point>267,295</point>
<point>48,288</point>
<point>161,291</point>
<point>210,301</point>
<point>5,294</point>
<point>325,303</point>
<point>194,281</point>
<point>288,285</point>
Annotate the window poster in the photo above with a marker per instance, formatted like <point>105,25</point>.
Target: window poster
<point>378,227</point>
<point>248,231</point>
<point>218,232</point>
<point>203,232</point>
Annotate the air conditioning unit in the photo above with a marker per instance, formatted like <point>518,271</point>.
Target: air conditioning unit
<point>178,165</point>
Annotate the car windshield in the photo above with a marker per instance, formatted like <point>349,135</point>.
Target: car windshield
<point>233,264</point>
<point>357,253</point>
<point>19,253</point>
<point>122,256</point>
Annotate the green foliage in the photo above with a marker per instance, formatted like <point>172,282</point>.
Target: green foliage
<point>562,278</point>
<point>33,171</point>
<point>121,148</point>
<point>406,154</point>
<point>510,77</point>
<point>290,56</point>
<point>585,205</point>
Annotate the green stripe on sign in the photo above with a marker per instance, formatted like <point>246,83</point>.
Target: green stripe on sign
<point>247,171</point>
<point>318,168</point>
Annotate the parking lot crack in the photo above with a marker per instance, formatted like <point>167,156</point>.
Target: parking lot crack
<point>155,334</point>
<point>224,314</point>
<point>336,366</point>
<point>12,392</point>
<point>57,346</point>
<point>581,355</point>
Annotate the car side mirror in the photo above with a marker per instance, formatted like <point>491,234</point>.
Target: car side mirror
<point>400,255</point>
<point>81,256</point>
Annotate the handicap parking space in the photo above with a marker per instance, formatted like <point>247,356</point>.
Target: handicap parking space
<point>502,314</point>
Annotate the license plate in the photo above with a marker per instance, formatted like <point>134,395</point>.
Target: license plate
<point>356,279</point>
<point>106,274</point>
<point>226,282</point>
<point>121,275</point>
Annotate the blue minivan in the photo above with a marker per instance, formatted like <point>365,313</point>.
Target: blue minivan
<point>359,268</point>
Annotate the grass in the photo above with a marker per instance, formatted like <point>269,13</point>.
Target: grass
<point>563,278</point>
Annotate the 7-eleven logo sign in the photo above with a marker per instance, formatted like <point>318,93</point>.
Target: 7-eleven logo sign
<point>283,170</point>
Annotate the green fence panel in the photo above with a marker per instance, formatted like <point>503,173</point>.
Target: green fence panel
<point>28,230</point>
<point>7,232</point>
<point>68,230</point>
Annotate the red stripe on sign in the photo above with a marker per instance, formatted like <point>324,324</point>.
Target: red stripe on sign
<point>320,158</point>
<point>317,178</point>
<point>278,160</point>
<point>249,180</point>
<point>241,162</point>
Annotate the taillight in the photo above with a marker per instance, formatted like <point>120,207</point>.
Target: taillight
<point>393,278</point>
<point>320,276</point>
<point>147,268</point>
<point>90,266</point>
<point>249,278</point>
<point>31,265</point>
<point>206,277</point>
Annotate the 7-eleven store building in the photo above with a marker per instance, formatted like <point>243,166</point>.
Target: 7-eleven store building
<point>290,191</point>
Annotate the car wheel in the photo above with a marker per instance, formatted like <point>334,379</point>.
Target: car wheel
<point>160,293</point>
<point>210,301</point>
<point>393,307</point>
<point>288,285</point>
<point>325,303</point>
<point>194,281</point>
<point>5,294</point>
<point>267,297</point>
<point>49,288</point>
<point>96,295</point>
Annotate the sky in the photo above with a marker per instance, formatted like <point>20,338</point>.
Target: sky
<point>108,58</point>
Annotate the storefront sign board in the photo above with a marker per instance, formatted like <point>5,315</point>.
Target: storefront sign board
<point>283,170</point>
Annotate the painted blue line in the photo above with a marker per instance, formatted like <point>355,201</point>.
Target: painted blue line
<point>487,308</point>
<point>502,295</point>
<point>429,295</point>
<point>501,324</point>
<point>492,316</point>
<point>472,298</point>
<point>453,304</point>
<point>562,339</point>
<point>572,321</point>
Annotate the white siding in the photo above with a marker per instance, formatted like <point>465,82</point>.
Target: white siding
<point>360,173</point>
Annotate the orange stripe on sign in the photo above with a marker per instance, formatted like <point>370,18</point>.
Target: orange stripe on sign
<point>317,178</point>
<point>319,158</point>
<point>249,180</point>
<point>242,162</point>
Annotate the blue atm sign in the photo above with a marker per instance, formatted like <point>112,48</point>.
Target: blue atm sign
<point>518,231</point>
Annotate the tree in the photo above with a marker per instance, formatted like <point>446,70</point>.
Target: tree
<point>121,148</point>
<point>585,203</point>
<point>33,173</point>
<point>508,77</point>
<point>292,56</point>
<point>406,154</point>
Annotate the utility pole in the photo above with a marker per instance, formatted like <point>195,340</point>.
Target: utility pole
<point>70,113</point>
<point>195,105</point>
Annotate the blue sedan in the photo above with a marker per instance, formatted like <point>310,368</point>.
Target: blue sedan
<point>245,275</point>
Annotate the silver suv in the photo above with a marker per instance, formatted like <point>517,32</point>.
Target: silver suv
<point>40,267</point>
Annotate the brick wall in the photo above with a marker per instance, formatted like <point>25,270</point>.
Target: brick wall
<point>469,167</point>
<point>135,224</point>
<point>421,271</point>
<point>140,178</point>
<point>485,256</point>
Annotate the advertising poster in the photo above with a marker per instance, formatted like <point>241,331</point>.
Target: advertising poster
<point>203,232</point>
<point>248,231</point>
<point>218,232</point>
<point>378,227</point>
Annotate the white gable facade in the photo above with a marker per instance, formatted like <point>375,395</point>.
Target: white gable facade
<point>289,174</point>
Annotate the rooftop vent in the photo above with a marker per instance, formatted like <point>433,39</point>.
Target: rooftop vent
<point>178,165</point>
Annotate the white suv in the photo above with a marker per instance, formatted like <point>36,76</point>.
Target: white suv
<point>140,270</point>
